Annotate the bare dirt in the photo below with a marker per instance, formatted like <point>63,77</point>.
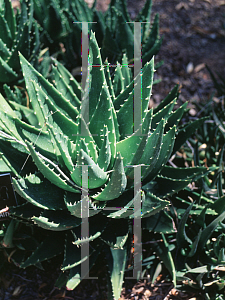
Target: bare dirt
<point>194,36</point>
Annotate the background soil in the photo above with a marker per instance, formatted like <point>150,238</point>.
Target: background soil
<point>193,35</point>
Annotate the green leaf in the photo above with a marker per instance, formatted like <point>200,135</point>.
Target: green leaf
<point>104,157</point>
<point>194,245</point>
<point>53,116</point>
<point>6,35</point>
<point>56,220</point>
<point>181,236</point>
<point>164,113</point>
<point>50,247</point>
<point>109,80</point>
<point>69,80</point>
<point>175,116</point>
<point>163,186</point>
<point>20,164</point>
<point>27,114</point>
<point>160,222</point>
<point>164,155</point>
<point>7,241</point>
<point>118,80</point>
<point>125,36</point>
<point>144,14</point>
<point>77,207</point>
<point>116,184</point>
<point>4,51</point>
<point>125,101</point>
<point>116,259</point>
<point>169,98</point>
<point>32,76</point>
<point>39,138</point>
<point>87,138</point>
<point>186,132</point>
<point>162,249</point>
<point>96,176</point>
<point>193,173</point>
<point>6,108</point>
<point>102,116</point>
<point>8,123</point>
<point>7,74</point>
<point>208,231</point>
<point>10,17</point>
<point>75,276</point>
<point>52,174</point>
<point>129,146</point>
<point>126,71</point>
<point>152,150</point>
<point>40,192</point>
<point>218,205</point>
<point>146,85</point>
<point>72,254</point>
<point>65,88</point>
<point>97,76</point>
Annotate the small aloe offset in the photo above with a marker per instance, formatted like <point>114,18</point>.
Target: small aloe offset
<point>81,148</point>
<point>19,32</point>
<point>62,23</point>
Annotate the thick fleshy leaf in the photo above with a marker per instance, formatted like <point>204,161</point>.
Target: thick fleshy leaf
<point>6,35</point>
<point>6,108</point>
<point>116,259</point>
<point>126,71</point>
<point>96,176</point>
<point>69,80</point>
<point>164,113</point>
<point>79,208</point>
<point>31,75</point>
<point>56,220</point>
<point>53,245</point>
<point>40,192</point>
<point>76,276</point>
<point>104,157</point>
<point>53,173</point>
<point>164,155</point>
<point>39,138</point>
<point>132,147</point>
<point>102,116</point>
<point>72,254</point>
<point>116,184</point>
<point>10,17</point>
<point>185,132</point>
<point>152,150</point>
<point>27,113</point>
<point>52,115</point>
<point>85,135</point>
<point>127,105</point>
<point>7,74</point>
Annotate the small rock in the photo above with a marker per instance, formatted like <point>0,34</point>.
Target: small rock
<point>190,67</point>
<point>147,293</point>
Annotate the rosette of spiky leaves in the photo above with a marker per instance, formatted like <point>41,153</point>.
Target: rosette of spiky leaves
<point>62,23</point>
<point>85,158</point>
<point>197,254</point>
<point>19,32</point>
<point>119,33</point>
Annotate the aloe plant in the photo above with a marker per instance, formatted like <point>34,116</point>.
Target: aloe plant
<point>19,32</point>
<point>62,23</point>
<point>194,255</point>
<point>80,146</point>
